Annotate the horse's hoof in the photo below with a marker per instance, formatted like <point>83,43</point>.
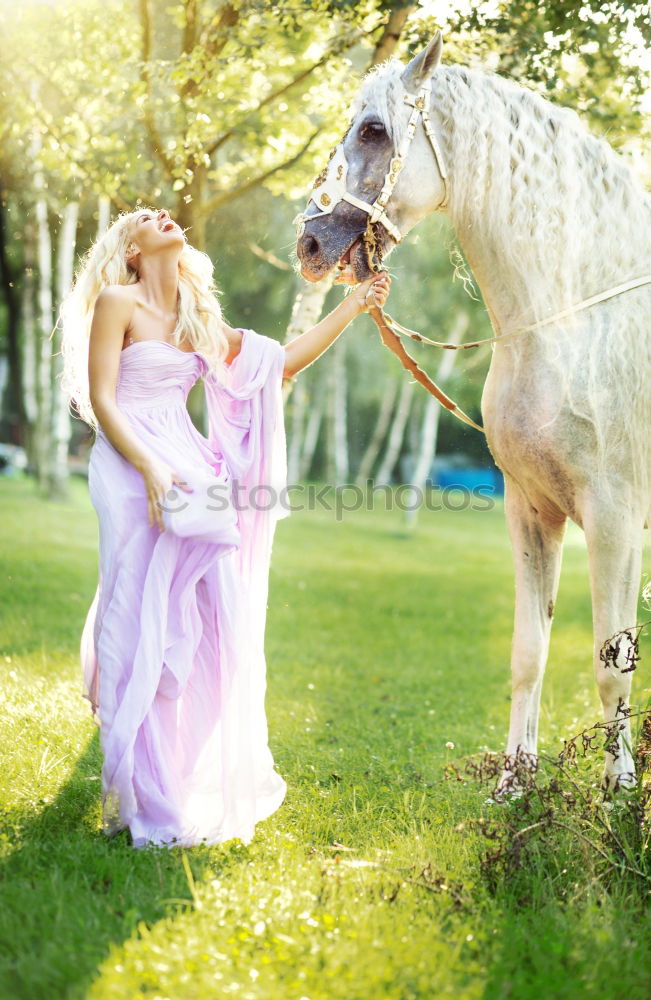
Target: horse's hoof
<point>496,800</point>
<point>508,789</point>
<point>626,781</point>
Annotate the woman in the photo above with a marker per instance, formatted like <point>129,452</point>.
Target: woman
<point>173,645</point>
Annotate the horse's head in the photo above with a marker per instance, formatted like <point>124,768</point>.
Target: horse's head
<point>381,179</point>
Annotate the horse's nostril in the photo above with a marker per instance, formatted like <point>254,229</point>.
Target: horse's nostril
<point>308,245</point>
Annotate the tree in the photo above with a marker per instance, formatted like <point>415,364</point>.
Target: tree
<point>581,53</point>
<point>430,424</point>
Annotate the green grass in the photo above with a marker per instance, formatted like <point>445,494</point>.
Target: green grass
<point>383,645</point>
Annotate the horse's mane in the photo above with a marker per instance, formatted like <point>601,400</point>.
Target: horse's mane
<point>559,217</point>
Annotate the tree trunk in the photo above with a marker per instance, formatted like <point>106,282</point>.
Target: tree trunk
<point>14,402</point>
<point>396,434</point>
<point>29,344</point>
<point>391,34</point>
<point>61,427</point>
<point>312,428</point>
<point>337,424</point>
<point>191,207</point>
<point>306,313</point>
<point>430,425</point>
<point>298,414</point>
<point>103,214</point>
<point>372,451</point>
<point>42,442</point>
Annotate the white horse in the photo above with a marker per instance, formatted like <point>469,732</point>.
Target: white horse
<point>549,218</point>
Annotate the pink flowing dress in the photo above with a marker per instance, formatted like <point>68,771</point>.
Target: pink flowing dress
<point>172,649</point>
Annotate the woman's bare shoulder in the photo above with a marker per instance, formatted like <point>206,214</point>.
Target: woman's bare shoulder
<point>117,295</point>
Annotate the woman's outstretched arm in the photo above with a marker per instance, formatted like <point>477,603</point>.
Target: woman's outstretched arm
<point>306,348</point>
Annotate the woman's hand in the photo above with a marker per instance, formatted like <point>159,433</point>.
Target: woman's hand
<point>375,287</point>
<point>307,347</point>
<point>159,479</point>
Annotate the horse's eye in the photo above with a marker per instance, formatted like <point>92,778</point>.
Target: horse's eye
<point>372,130</point>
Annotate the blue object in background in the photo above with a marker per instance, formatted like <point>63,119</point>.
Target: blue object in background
<point>13,460</point>
<point>445,476</point>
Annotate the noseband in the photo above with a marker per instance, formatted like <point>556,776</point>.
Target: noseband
<point>330,186</point>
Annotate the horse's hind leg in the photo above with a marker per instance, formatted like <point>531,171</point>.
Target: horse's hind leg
<point>537,543</point>
<point>614,540</point>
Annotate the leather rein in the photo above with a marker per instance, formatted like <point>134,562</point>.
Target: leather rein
<point>390,328</point>
<point>330,189</point>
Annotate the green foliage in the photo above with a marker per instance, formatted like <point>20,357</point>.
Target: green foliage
<point>382,646</point>
<point>165,102</point>
<point>147,101</point>
<point>587,55</point>
<point>76,92</point>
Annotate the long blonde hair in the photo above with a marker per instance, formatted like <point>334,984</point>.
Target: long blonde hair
<point>199,315</point>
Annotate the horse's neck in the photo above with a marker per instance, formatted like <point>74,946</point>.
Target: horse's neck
<point>505,298</point>
<point>545,216</point>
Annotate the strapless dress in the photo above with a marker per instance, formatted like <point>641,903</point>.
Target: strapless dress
<point>173,644</point>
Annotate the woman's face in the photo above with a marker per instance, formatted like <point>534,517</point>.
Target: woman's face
<point>152,233</point>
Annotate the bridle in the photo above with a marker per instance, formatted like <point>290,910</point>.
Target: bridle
<point>329,190</point>
<point>330,186</point>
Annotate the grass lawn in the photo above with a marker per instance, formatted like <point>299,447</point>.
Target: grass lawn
<point>383,646</point>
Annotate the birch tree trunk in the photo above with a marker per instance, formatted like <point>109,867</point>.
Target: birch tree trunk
<point>396,434</point>
<point>312,428</point>
<point>430,426</point>
<point>42,429</point>
<point>29,341</point>
<point>61,427</point>
<point>337,422</point>
<point>306,313</point>
<point>13,397</point>
<point>298,414</point>
<point>372,451</point>
<point>103,214</point>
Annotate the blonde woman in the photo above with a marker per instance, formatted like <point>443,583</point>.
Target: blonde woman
<point>173,645</point>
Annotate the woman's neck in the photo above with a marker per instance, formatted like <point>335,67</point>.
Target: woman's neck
<point>159,283</point>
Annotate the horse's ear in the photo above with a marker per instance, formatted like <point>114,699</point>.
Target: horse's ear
<point>423,65</point>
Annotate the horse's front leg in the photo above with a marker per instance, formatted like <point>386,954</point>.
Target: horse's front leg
<point>537,543</point>
<point>614,538</point>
